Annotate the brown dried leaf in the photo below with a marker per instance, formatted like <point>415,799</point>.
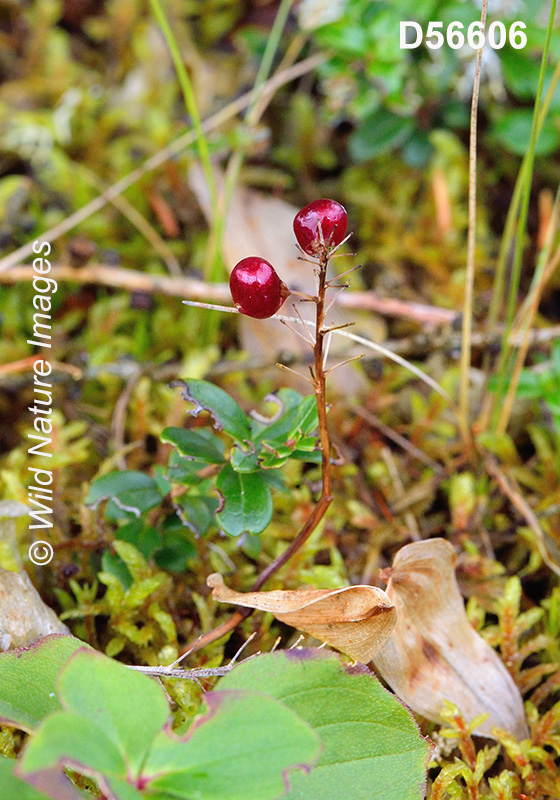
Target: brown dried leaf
<point>434,654</point>
<point>24,618</point>
<point>356,619</point>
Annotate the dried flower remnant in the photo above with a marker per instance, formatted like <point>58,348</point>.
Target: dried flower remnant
<point>355,619</point>
<point>434,654</point>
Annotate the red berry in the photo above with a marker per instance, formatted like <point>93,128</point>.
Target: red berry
<point>256,289</point>
<point>333,219</point>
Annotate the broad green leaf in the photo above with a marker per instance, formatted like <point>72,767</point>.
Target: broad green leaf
<point>28,680</point>
<point>70,738</point>
<point>195,445</point>
<point>112,727</point>
<point>372,746</point>
<point>513,131</point>
<point>197,512</point>
<point>129,707</point>
<point>227,415</point>
<point>183,470</point>
<point>289,434</point>
<point>176,552</point>
<point>144,537</point>
<point>242,749</point>
<point>13,788</point>
<point>133,492</point>
<point>380,133</point>
<point>247,502</point>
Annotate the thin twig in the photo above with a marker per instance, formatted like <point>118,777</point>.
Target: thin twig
<point>465,364</point>
<point>186,674</point>
<point>393,471</point>
<point>118,423</point>
<point>378,348</point>
<point>193,289</point>
<point>140,222</point>
<point>518,501</point>
<point>395,437</point>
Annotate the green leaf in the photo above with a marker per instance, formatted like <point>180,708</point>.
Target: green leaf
<point>195,445</point>
<point>28,680</point>
<point>289,434</point>
<point>247,502</point>
<point>227,415</point>
<point>176,552</point>
<point>112,727</point>
<point>372,746</point>
<point>144,537</point>
<point>69,737</point>
<point>513,131</point>
<point>133,492</point>
<point>241,749</point>
<point>13,788</point>
<point>198,512</point>
<point>113,564</point>
<point>243,461</point>
<point>183,470</point>
<point>306,420</point>
<point>379,134</point>
<point>128,707</point>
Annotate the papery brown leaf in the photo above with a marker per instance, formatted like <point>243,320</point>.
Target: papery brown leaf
<point>434,654</point>
<point>356,619</point>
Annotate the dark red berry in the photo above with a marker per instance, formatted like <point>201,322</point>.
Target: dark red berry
<point>333,220</point>
<point>256,289</point>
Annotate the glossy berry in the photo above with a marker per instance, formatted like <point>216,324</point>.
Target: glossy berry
<point>256,289</point>
<point>333,219</point>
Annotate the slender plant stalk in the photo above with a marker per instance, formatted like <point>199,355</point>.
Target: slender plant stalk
<point>465,364</point>
<point>513,211</point>
<point>526,194</point>
<point>318,377</point>
<point>212,271</point>
<point>549,267</point>
<point>503,361</point>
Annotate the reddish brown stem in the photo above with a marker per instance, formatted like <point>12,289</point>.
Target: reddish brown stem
<point>320,509</point>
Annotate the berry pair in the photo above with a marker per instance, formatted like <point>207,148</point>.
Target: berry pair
<point>256,289</point>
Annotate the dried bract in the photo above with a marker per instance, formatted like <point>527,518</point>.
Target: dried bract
<point>355,619</point>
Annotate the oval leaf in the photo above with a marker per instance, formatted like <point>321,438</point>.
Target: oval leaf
<point>133,492</point>
<point>194,445</point>
<point>227,415</point>
<point>355,619</point>
<point>372,746</point>
<point>28,680</point>
<point>247,502</point>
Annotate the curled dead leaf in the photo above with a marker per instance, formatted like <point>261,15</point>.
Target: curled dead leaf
<point>355,619</point>
<point>434,654</point>
<point>24,618</point>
